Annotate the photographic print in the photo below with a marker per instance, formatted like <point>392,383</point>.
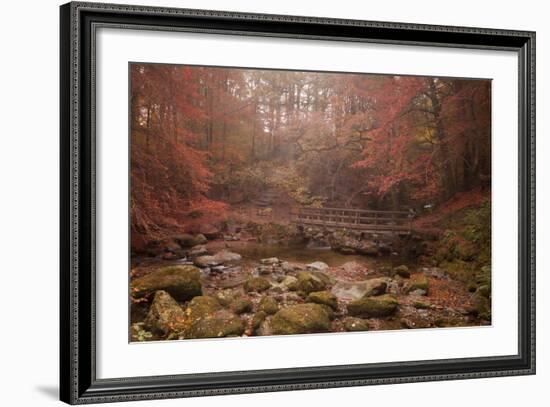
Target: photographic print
<point>277,202</point>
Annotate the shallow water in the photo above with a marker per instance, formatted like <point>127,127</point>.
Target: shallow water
<point>298,254</point>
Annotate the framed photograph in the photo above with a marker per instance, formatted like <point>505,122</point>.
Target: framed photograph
<point>255,203</point>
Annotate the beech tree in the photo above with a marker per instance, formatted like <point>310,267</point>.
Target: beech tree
<point>203,138</point>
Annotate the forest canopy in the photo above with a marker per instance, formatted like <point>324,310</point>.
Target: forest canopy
<point>205,138</point>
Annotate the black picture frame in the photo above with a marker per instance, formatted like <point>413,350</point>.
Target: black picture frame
<point>78,382</point>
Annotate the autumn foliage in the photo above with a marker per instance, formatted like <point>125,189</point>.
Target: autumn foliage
<point>203,138</point>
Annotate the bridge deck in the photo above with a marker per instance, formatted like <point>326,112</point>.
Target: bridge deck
<point>357,219</point>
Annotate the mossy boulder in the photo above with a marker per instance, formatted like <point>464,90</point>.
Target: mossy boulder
<point>241,305</point>
<point>301,319</point>
<point>219,324</point>
<point>421,305</point>
<point>353,324</point>
<point>188,240</point>
<point>201,306</point>
<point>181,282</point>
<point>309,282</point>
<point>268,305</point>
<point>368,307</point>
<point>257,319</point>
<point>165,314</point>
<point>375,286</point>
<point>226,297</point>
<point>257,284</point>
<point>417,282</point>
<point>290,283</point>
<point>323,297</point>
<point>402,271</point>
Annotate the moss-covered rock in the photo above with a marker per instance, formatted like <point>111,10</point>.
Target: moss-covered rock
<point>421,305</point>
<point>165,314</point>
<point>309,282</point>
<point>290,283</point>
<point>257,284</point>
<point>268,305</point>
<point>375,286</point>
<point>221,323</point>
<point>324,298</point>
<point>181,282</point>
<point>257,319</point>
<point>402,271</point>
<point>353,324</point>
<point>241,305</point>
<point>201,306</point>
<point>367,307</point>
<point>226,297</point>
<point>187,240</point>
<point>301,319</point>
<point>417,282</point>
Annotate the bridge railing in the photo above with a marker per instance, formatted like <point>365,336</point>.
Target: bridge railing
<point>360,219</point>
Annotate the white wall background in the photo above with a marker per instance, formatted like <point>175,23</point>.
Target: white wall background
<point>29,162</point>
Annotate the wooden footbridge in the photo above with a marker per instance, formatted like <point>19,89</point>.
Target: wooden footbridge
<point>399,222</point>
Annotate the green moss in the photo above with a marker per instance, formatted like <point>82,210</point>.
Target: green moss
<point>257,284</point>
<point>352,324</point>
<point>181,282</point>
<point>220,324</point>
<point>201,306</point>
<point>309,282</point>
<point>421,305</point>
<point>258,318</point>
<point>381,306</point>
<point>268,305</point>
<point>241,305</point>
<point>402,271</point>
<point>301,319</point>
<point>324,298</point>
<point>417,282</point>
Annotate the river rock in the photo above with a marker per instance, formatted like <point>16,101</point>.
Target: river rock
<point>165,314</point>
<point>354,290</point>
<point>225,256</point>
<point>199,250</point>
<point>375,286</point>
<point>201,306</point>
<point>256,284</point>
<point>290,283</point>
<point>323,298</point>
<point>188,240</point>
<point>301,319</point>
<point>241,305</point>
<point>317,266</point>
<point>270,261</point>
<point>206,261</point>
<point>264,269</point>
<point>181,282</point>
<point>417,282</point>
<point>353,324</point>
<point>226,297</point>
<point>268,305</point>
<point>219,324</point>
<point>257,319</point>
<point>402,271</point>
<point>369,307</point>
<point>310,282</point>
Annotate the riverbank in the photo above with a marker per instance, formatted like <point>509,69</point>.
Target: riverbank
<point>216,291</point>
